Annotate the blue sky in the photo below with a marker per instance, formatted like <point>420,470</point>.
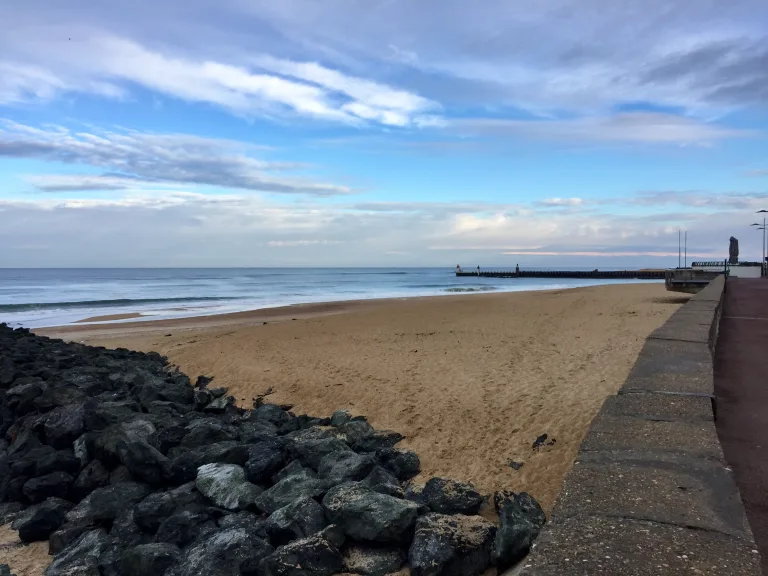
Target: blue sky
<point>380,133</point>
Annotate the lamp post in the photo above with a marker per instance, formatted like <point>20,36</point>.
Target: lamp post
<point>762,262</point>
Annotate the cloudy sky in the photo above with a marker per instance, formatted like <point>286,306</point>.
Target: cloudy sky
<point>380,132</point>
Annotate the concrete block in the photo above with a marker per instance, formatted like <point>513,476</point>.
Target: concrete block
<point>672,366</point>
<point>599,546</point>
<point>666,488</point>
<point>660,406</point>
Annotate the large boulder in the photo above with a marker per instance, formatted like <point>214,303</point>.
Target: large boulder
<point>265,458</point>
<point>272,414</point>
<point>367,515</point>
<point>104,504</point>
<point>316,555</point>
<point>372,561</point>
<point>204,431</point>
<point>185,526</point>
<point>227,486</point>
<point>302,517</point>
<point>105,446</point>
<point>451,545</point>
<point>379,440</point>
<point>310,445</point>
<point>382,480</point>
<point>81,557</point>
<point>39,521</point>
<point>289,489</point>
<point>65,534</point>
<point>521,519</point>
<point>185,463</point>
<point>339,467</point>
<point>55,484</point>
<point>64,425</point>
<point>144,462</point>
<point>155,508</point>
<point>451,497</point>
<point>146,559</point>
<point>404,464</point>
<point>94,475</point>
<point>125,530</point>
<point>223,553</point>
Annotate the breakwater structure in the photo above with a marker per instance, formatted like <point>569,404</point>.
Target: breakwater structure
<point>650,491</point>
<point>599,274</point>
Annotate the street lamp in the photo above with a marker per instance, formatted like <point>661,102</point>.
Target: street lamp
<point>762,262</point>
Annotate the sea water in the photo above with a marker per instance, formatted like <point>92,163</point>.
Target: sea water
<point>52,297</point>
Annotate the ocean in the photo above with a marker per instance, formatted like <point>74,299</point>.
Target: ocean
<point>35,297</point>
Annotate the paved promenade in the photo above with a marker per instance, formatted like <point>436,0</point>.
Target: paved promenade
<point>741,388</point>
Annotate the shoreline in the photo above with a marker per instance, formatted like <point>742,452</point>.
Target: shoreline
<point>126,323</point>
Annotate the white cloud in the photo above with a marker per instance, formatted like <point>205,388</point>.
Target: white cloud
<point>137,159</point>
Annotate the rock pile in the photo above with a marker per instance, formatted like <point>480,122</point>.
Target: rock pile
<point>126,468</point>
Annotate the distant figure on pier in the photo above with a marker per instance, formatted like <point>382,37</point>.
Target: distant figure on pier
<point>458,268</point>
<point>478,270</point>
<point>517,269</point>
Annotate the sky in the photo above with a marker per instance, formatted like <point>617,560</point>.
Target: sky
<point>381,132</point>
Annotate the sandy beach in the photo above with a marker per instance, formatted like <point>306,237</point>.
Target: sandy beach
<point>471,381</point>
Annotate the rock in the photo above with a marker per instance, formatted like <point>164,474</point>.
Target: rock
<point>55,484</point>
<point>367,515</point>
<point>168,438</point>
<point>225,553</point>
<point>454,545</point>
<point>294,468</point>
<point>81,557</point>
<point>23,442</point>
<point>106,443</point>
<point>205,431</point>
<point>184,465</point>
<point>126,531</point>
<point>381,480</point>
<point>100,415</point>
<point>155,508</point>
<point>521,519</point>
<point>404,464</point>
<point>271,413</point>
<point>265,459</point>
<point>451,497</point>
<point>372,561</point>
<point>39,521</point>
<point>218,392</point>
<point>338,467</point>
<point>302,517</point>
<point>55,461</point>
<point>311,445</point>
<point>203,381</point>
<point>120,475</point>
<point>59,396</point>
<point>356,430</point>
<point>340,417</point>
<point>146,559</point>
<point>252,432</point>
<point>219,405</point>
<point>227,486</point>
<point>145,463</point>
<point>316,555</point>
<point>247,520</point>
<point>104,504</point>
<point>515,465</point>
<point>157,389</point>
<point>93,476</point>
<point>289,489</point>
<point>20,398</point>
<point>110,560</point>
<point>184,527</point>
<point>379,440</point>
<point>64,425</point>
<point>9,511</point>
<point>5,570</point>
<point>65,534</point>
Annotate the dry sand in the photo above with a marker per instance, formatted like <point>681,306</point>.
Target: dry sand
<point>471,380</point>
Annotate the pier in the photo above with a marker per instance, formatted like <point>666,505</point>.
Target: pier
<point>600,274</point>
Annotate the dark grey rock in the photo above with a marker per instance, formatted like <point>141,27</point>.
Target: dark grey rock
<point>379,440</point>
<point>311,445</point>
<point>93,476</point>
<point>9,511</point>
<point>146,559</point>
<point>372,561</point>
<point>39,521</point>
<point>383,481</point>
<point>104,504</point>
<point>106,443</point>
<point>356,430</point>
<point>205,431</point>
<point>184,527</point>
<point>152,510</point>
<point>294,468</point>
<point>451,497</point>
<point>144,462</point>
<point>65,534</point>
<point>404,464</point>
<point>55,484</point>
<point>110,560</point>
<point>289,489</point>
<point>126,531</point>
<point>316,555</point>
<point>338,467</point>
<point>64,425</point>
<point>227,486</point>
<point>55,461</point>
<point>271,413</point>
<point>225,553</point>
<point>59,396</point>
<point>81,557</point>
<point>340,417</point>
<point>302,517</point>
<point>219,405</point>
<point>5,570</point>
<point>167,438</point>
<point>367,515</point>
<point>520,521</point>
<point>120,475</point>
<point>252,432</point>
<point>185,463</point>
<point>265,459</point>
<point>451,545</point>
<point>20,398</point>
<point>247,520</point>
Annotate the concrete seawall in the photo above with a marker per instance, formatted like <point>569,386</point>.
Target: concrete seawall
<point>650,491</point>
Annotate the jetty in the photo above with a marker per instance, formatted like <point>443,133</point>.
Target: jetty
<point>599,274</point>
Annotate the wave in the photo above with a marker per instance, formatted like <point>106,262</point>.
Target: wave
<point>472,289</point>
<point>107,303</point>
